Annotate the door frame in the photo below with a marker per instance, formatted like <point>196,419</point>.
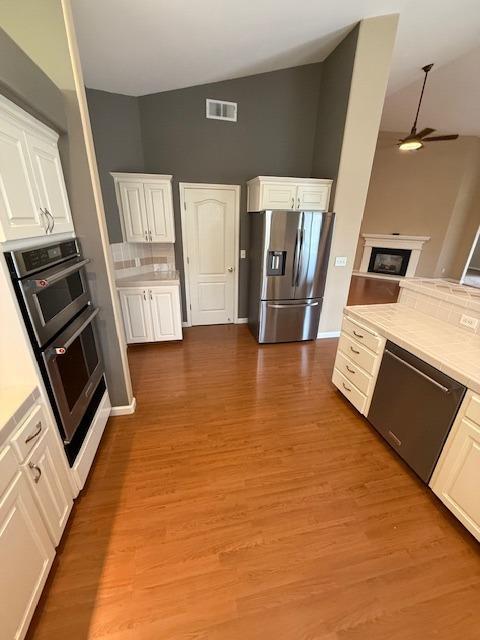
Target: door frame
<point>219,187</point>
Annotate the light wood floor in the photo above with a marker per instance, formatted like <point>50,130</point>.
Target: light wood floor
<point>246,500</point>
<point>372,290</point>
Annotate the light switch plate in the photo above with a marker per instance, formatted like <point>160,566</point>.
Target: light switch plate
<point>469,321</point>
<point>341,261</point>
<point>243,254</point>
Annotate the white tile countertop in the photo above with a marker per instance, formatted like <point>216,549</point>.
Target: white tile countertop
<point>451,349</point>
<point>149,279</point>
<point>14,404</point>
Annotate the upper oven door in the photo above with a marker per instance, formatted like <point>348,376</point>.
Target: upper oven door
<point>74,368</point>
<point>54,296</point>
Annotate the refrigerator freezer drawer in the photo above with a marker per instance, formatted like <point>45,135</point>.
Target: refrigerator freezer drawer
<point>289,320</point>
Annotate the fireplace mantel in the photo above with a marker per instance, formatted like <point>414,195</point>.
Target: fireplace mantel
<point>390,241</point>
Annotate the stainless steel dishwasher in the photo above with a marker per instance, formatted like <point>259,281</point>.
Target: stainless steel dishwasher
<point>413,408</point>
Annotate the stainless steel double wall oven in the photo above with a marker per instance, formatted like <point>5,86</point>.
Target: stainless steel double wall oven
<point>51,285</point>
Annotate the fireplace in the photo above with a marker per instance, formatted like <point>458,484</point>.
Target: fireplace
<point>390,255</point>
<point>392,262</point>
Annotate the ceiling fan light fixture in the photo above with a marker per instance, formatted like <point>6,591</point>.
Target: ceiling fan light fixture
<point>410,145</point>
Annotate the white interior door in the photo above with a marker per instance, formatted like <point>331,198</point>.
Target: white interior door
<point>210,215</point>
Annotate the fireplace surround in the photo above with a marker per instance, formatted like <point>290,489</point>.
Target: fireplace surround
<point>404,252</point>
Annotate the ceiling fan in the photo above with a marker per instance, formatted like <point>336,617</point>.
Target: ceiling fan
<point>414,140</point>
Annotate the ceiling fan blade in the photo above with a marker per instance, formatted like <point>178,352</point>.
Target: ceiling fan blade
<point>424,132</point>
<point>454,136</point>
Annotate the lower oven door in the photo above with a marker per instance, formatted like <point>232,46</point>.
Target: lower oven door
<point>74,369</point>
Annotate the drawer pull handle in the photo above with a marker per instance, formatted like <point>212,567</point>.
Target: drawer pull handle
<point>394,438</point>
<point>359,335</point>
<point>345,387</point>
<point>38,470</point>
<point>31,437</point>
<point>348,369</point>
<point>355,351</point>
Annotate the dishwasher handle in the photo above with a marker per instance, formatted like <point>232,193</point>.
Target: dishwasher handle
<point>420,373</point>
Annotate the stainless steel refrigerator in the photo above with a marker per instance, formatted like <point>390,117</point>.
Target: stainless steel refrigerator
<point>289,253</point>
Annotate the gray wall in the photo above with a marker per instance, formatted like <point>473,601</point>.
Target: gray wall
<point>332,109</point>
<point>273,136</point>
<point>39,95</point>
<point>115,121</point>
<point>28,86</point>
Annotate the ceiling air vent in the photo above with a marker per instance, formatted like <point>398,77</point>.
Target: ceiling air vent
<point>221,110</point>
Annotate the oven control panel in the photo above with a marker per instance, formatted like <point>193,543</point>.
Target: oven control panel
<point>28,261</point>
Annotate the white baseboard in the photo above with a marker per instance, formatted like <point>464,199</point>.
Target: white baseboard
<point>241,321</point>
<point>328,334</point>
<point>124,410</point>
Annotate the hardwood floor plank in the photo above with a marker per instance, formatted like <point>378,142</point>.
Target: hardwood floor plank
<point>246,499</point>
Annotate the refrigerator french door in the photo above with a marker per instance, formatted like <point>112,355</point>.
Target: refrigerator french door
<point>289,253</point>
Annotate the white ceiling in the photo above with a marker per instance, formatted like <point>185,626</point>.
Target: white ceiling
<point>144,46</point>
<point>451,102</point>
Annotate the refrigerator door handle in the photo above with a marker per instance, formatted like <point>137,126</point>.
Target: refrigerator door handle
<point>299,261</point>
<point>292,306</point>
<point>296,253</point>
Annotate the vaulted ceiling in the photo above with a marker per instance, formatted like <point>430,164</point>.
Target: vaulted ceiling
<point>144,46</point>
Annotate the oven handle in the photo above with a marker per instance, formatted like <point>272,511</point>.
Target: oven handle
<point>41,284</point>
<point>62,349</point>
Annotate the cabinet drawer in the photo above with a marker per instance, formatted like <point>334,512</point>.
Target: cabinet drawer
<point>349,390</point>
<point>356,352</point>
<point>362,335</point>
<point>353,372</point>
<point>473,409</point>
<point>30,432</point>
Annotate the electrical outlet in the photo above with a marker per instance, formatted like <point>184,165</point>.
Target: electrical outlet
<point>341,261</point>
<point>468,321</point>
<point>137,262</point>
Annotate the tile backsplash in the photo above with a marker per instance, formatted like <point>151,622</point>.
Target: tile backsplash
<point>442,300</point>
<point>130,258</point>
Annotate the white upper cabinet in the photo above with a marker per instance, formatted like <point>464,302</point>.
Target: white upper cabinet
<point>20,215</point>
<point>145,203</point>
<point>33,198</point>
<point>132,202</point>
<point>296,194</point>
<point>48,172</point>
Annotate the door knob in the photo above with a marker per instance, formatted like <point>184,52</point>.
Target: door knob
<point>230,269</point>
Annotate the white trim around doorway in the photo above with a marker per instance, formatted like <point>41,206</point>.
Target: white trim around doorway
<point>200,185</point>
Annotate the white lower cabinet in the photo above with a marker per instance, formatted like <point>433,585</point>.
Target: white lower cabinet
<point>46,472</point>
<point>26,551</point>
<point>456,479</point>
<point>358,359</point>
<point>151,314</point>
<point>35,502</point>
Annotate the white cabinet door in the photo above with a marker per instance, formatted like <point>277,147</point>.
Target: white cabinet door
<point>159,207</point>
<point>137,316</point>
<point>279,196</point>
<point>46,471</point>
<point>26,552</point>
<point>20,215</point>
<point>166,316</point>
<point>50,182</point>
<point>312,197</point>
<point>134,214</point>
<point>457,482</point>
